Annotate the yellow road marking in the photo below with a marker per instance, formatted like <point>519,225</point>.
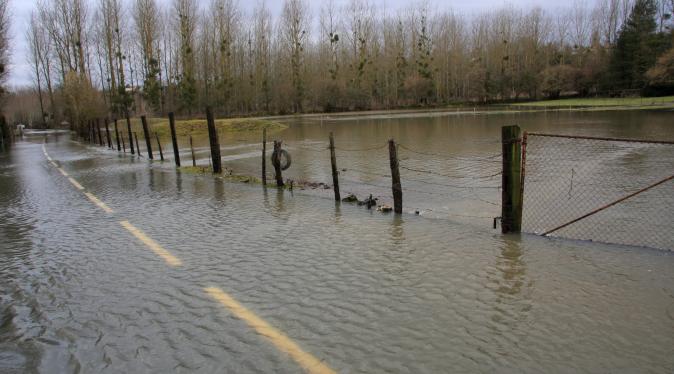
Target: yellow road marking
<point>98,202</point>
<point>74,183</point>
<point>310,363</point>
<point>62,171</point>
<point>154,246</point>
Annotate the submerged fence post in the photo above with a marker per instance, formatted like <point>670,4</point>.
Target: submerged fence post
<point>276,161</point>
<point>161,153</point>
<point>119,148</point>
<point>213,139</point>
<point>194,160</point>
<point>174,139</point>
<point>264,157</point>
<point>107,132</point>
<point>146,133</point>
<point>511,195</point>
<point>135,135</point>
<point>335,173</point>
<point>98,127</point>
<point>128,129</point>
<point>395,177</point>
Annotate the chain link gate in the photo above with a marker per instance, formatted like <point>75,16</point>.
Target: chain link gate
<point>599,189</point>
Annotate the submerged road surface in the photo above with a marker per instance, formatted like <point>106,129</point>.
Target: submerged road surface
<point>114,264</point>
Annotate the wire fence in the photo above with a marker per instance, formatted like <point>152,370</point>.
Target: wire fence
<point>600,189</point>
<point>590,188</point>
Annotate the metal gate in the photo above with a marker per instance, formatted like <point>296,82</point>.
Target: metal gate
<point>599,189</point>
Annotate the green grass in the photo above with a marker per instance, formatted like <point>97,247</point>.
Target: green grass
<point>602,102</point>
<point>198,128</point>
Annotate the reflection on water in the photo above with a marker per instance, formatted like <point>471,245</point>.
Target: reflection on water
<point>512,267</point>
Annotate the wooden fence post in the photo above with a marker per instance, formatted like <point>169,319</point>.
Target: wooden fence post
<point>194,160</point>
<point>511,195</point>
<point>98,127</point>
<point>135,135</point>
<point>123,146</point>
<point>395,177</point>
<point>119,148</point>
<point>335,173</point>
<point>161,153</point>
<point>264,156</point>
<point>276,161</point>
<point>213,139</point>
<point>107,132</point>
<point>146,132</point>
<point>174,138</point>
<point>128,129</point>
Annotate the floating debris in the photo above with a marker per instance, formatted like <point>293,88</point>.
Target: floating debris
<point>384,208</point>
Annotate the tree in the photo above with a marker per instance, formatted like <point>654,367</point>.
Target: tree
<point>635,50</point>
<point>661,76</point>
<point>294,30</point>
<point>556,79</point>
<point>146,17</point>
<point>186,22</point>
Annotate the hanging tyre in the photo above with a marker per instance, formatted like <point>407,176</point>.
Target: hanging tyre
<point>281,158</point>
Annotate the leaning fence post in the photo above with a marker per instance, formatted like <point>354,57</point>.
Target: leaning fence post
<point>511,195</point>
<point>395,177</point>
<point>264,159</point>
<point>213,139</point>
<point>119,148</point>
<point>161,153</point>
<point>128,129</point>
<point>174,139</point>
<point>135,135</point>
<point>107,132</point>
<point>194,160</point>
<point>276,161</point>
<point>98,127</point>
<point>146,133</point>
<point>335,173</point>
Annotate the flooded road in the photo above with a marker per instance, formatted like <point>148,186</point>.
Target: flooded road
<point>333,288</point>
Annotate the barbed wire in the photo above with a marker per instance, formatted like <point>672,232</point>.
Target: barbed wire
<point>374,148</point>
<point>491,176</point>
<point>490,158</point>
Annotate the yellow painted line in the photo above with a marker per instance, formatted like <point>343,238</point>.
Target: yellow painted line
<point>63,172</point>
<point>74,183</point>
<point>98,202</point>
<point>154,246</point>
<point>310,363</point>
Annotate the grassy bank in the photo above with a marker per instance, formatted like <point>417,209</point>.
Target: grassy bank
<point>627,102</point>
<point>198,127</point>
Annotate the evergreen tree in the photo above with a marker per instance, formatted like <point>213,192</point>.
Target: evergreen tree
<point>636,49</point>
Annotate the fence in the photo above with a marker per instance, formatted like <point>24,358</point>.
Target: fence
<point>600,189</point>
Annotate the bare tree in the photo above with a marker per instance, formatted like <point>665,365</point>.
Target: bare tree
<point>295,35</point>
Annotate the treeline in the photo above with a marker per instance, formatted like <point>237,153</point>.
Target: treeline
<point>111,57</point>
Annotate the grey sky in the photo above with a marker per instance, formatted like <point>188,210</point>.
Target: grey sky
<point>20,71</point>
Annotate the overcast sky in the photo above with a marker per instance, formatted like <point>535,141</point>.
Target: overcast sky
<point>20,71</point>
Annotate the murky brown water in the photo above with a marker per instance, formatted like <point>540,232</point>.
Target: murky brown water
<point>361,291</point>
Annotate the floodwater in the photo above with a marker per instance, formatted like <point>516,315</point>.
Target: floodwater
<point>360,291</point>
